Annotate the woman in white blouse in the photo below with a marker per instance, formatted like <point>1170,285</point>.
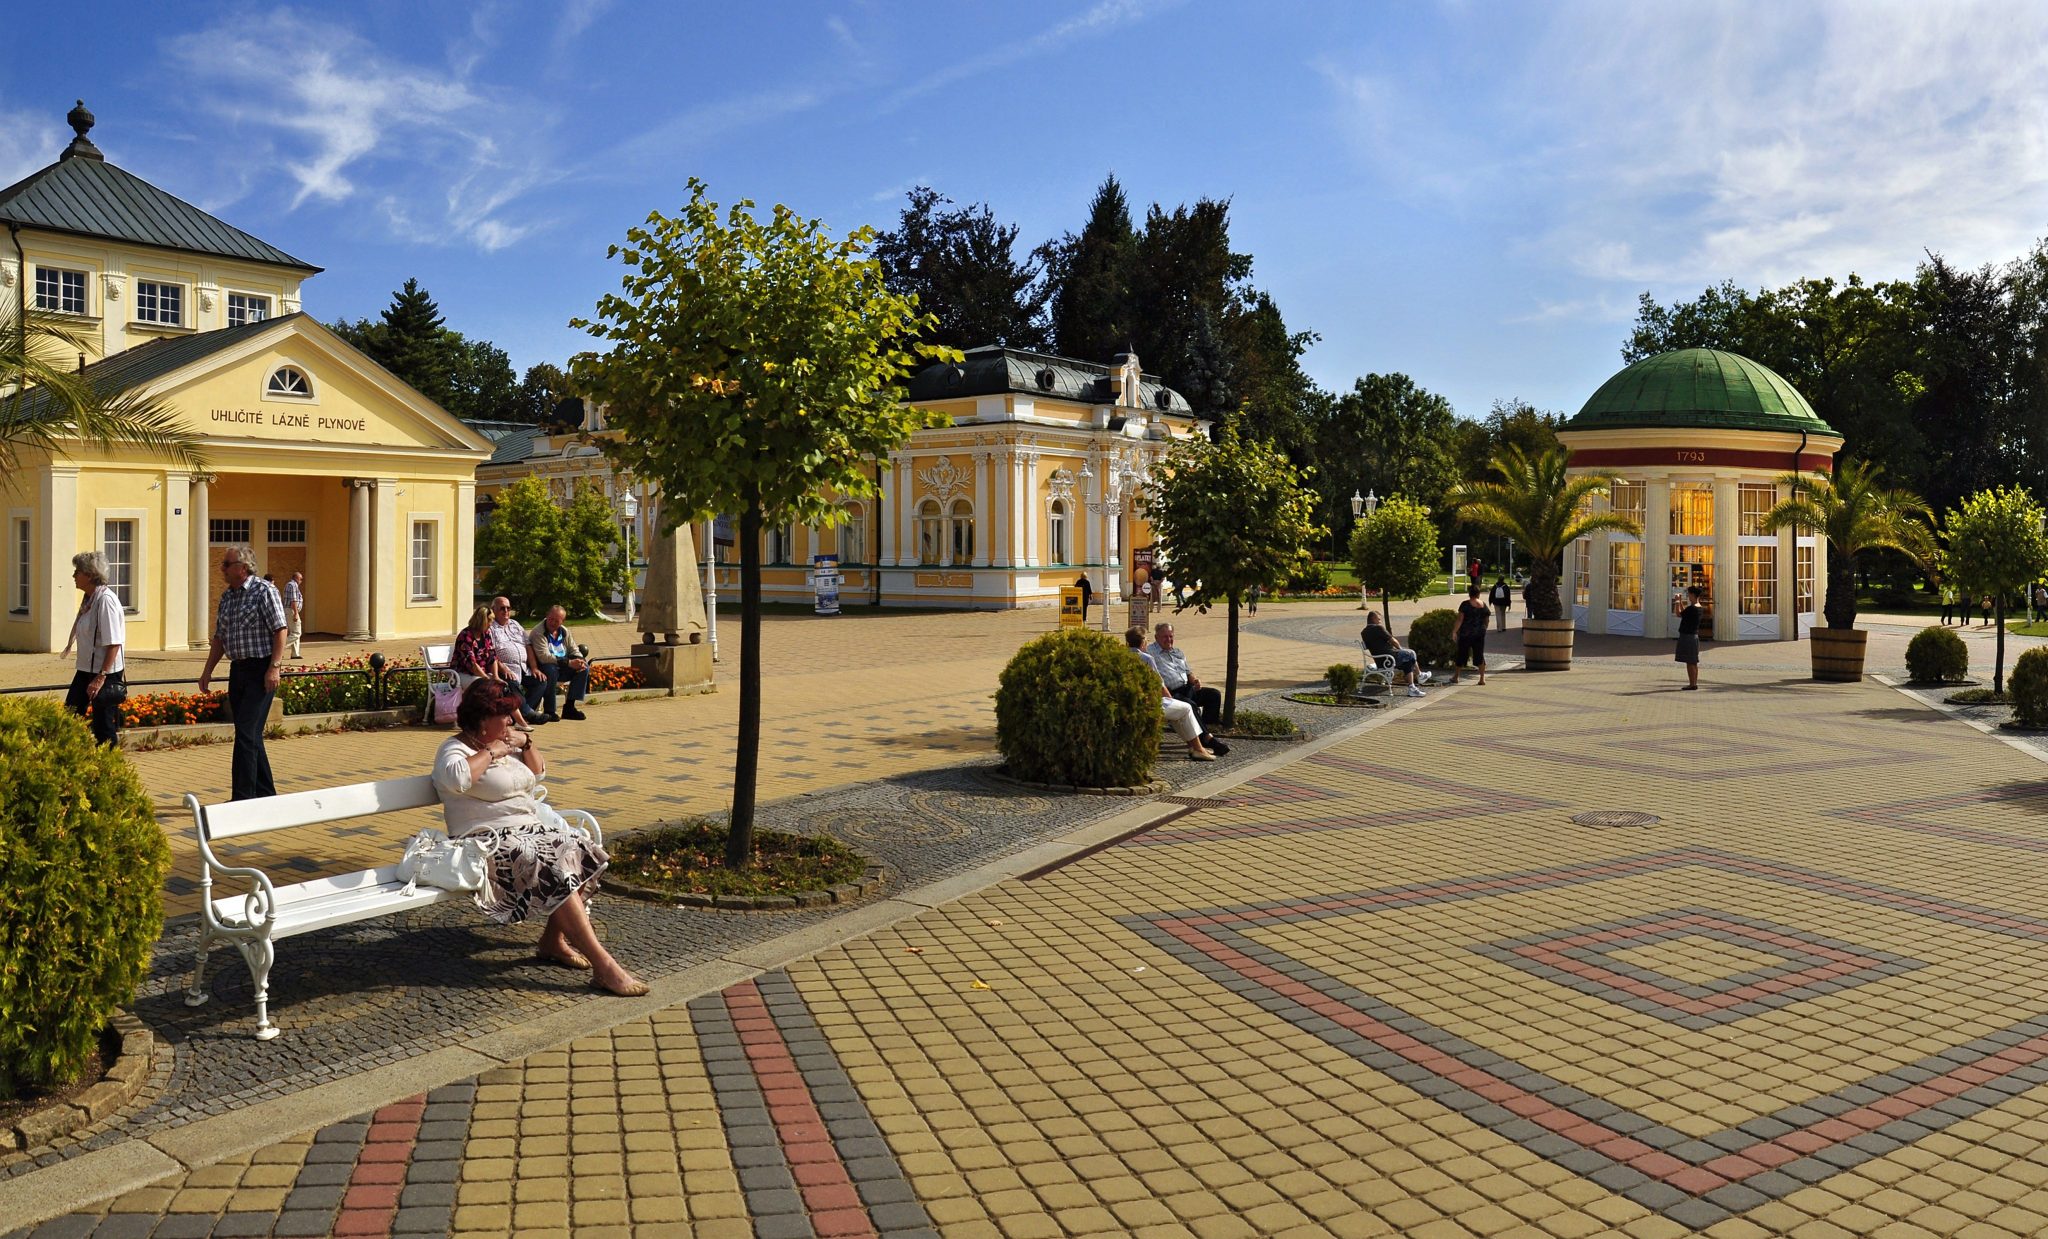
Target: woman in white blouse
<point>99,632</point>
<point>486,774</point>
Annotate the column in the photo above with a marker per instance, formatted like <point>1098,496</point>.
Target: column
<point>1788,582</point>
<point>886,504</point>
<point>1597,593</point>
<point>58,518</point>
<point>906,514</point>
<point>464,519</point>
<point>198,632</point>
<point>1727,582</point>
<point>1027,506</point>
<point>984,507</point>
<point>1657,621</point>
<point>359,553</point>
<point>180,579</point>
<point>1003,538</point>
<point>388,565</point>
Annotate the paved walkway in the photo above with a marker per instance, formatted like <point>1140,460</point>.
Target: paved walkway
<point>1792,985</point>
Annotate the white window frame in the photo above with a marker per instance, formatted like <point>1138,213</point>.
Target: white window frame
<point>84,290</point>
<point>960,521</point>
<point>435,567</point>
<point>1057,543</point>
<point>183,293</point>
<point>21,564</point>
<point>931,535</point>
<point>228,307</point>
<point>853,535</point>
<point>270,391</point>
<point>138,574</point>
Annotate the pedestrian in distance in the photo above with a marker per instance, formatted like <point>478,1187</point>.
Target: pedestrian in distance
<point>249,631</point>
<point>294,595</point>
<point>1252,597</point>
<point>1689,612</point>
<point>1501,598</point>
<point>1087,594</point>
<point>100,683</point>
<point>1948,605</point>
<point>1472,615</point>
<point>1984,608</point>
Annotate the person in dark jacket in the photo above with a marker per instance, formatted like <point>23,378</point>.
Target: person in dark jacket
<point>1471,635</point>
<point>1689,614</point>
<point>1502,599</point>
<point>1087,594</point>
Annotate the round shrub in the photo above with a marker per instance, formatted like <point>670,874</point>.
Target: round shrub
<point>1078,707</point>
<point>1343,678</point>
<point>1434,637</point>
<point>1935,655</point>
<point>82,865</point>
<point>1312,577</point>
<point>2027,686</point>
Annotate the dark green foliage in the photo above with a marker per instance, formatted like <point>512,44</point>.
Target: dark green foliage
<point>962,267</point>
<point>1936,655</point>
<point>1387,436</point>
<point>469,378</point>
<point>1343,678</point>
<point>481,381</point>
<point>82,865</point>
<point>544,387</point>
<point>541,555</point>
<point>1259,723</point>
<point>1077,707</point>
<point>1090,279</point>
<point>1312,577</point>
<point>2028,688</point>
<point>1434,637</point>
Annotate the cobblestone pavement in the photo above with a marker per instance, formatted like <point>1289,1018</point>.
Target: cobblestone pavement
<point>1565,955</point>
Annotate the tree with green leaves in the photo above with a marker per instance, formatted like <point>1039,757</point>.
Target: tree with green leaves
<point>1395,551</point>
<point>46,404</point>
<point>482,385</point>
<point>752,367</point>
<point>1544,507</point>
<point>1995,544</point>
<point>1089,278</point>
<point>539,554</point>
<point>542,389</point>
<point>962,266</point>
<point>411,340</point>
<point>1232,515</point>
<point>1386,435</point>
<point>1852,511</point>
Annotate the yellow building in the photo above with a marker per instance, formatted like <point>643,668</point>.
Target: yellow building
<point>317,457</point>
<point>1032,483</point>
<point>1700,439</point>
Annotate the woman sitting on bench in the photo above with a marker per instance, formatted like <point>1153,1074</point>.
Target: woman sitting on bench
<point>539,865</point>
<point>1179,714</point>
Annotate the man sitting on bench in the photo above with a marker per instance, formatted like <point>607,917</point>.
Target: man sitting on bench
<point>1382,643</point>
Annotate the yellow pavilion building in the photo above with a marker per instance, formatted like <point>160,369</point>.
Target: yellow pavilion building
<point>1032,484</point>
<point>316,456</point>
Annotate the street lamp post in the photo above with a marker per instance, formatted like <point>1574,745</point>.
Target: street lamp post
<point>629,507</point>
<point>1365,506</point>
<point>1109,508</point>
<point>711,584</point>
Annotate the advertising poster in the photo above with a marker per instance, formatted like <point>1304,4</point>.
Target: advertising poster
<point>825,580</point>
<point>1070,607</point>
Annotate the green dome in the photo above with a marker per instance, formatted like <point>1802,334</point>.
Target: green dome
<point>1699,387</point>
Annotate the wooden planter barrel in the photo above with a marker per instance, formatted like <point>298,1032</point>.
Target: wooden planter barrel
<point>1838,654</point>
<point>1547,644</point>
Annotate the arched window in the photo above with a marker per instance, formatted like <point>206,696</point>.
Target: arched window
<point>962,531</point>
<point>290,382</point>
<point>1056,532</point>
<point>931,533</point>
<point>781,541</point>
<point>853,535</point>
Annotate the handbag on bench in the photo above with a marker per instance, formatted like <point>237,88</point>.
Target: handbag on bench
<point>433,859</point>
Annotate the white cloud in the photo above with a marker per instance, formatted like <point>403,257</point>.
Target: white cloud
<point>341,113</point>
<point>28,141</point>
<point>1099,18</point>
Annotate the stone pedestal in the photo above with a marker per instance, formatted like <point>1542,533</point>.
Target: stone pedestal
<point>672,652</point>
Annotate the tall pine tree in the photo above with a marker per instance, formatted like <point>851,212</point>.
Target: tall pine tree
<point>411,341</point>
<point>963,268</point>
<point>1090,280</point>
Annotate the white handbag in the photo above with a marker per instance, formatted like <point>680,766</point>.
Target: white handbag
<point>433,859</point>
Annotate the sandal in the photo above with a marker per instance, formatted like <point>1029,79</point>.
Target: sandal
<point>637,989</point>
<point>568,957</point>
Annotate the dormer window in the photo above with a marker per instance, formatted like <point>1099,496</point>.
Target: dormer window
<point>247,308</point>
<point>163,304</point>
<point>60,291</point>
<point>289,382</point>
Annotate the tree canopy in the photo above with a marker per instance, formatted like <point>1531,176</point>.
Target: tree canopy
<point>1542,505</point>
<point>539,554</point>
<point>470,378</point>
<point>1387,435</point>
<point>963,267</point>
<point>1853,511</point>
<point>1995,545</point>
<point>1395,551</point>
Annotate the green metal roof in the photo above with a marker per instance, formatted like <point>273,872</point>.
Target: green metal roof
<point>145,362</point>
<point>1699,387</point>
<point>86,196</point>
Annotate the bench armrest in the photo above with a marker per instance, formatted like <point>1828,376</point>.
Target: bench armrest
<point>577,817</point>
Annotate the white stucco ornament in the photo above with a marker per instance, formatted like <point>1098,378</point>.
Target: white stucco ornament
<point>207,294</point>
<point>8,274</point>
<point>943,480</point>
<point>111,286</point>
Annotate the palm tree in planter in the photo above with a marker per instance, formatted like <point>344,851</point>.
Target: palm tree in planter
<point>1543,505</point>
<point>1852,511</point>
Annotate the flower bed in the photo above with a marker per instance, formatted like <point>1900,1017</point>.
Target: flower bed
<point>173,709</point>
<point>610,677</point>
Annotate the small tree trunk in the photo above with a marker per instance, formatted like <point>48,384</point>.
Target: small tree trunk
<point>1387,610</point>
<point>1229,718</point>
<point>739,837</point>
<point>1998,664</point>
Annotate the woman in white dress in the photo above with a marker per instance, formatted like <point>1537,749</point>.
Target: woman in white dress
<point>486,774</point>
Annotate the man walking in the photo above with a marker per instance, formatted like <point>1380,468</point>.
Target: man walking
<point>249,631</point>
<point>1501,598</point>
<point>294,611</point>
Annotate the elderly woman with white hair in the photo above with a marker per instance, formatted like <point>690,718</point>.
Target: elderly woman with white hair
<point>100,630</point>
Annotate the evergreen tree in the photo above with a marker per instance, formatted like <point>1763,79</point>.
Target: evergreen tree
<point>411,341</point>
<point>1186,282</point>
<point>1090,280</point>
<point>963,268</point>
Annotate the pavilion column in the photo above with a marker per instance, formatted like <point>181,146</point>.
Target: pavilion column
<point>359,556</point>
<point>179,569</point>
<point>1003,541</point>
<point>1727,580</point>
<point>1027,505</point>
<point>1597,592</point>
<point>885,504</point>
<point>1657,620</point>
<point>906,515</point>
<point>984,508</point>
<point>199,633</point>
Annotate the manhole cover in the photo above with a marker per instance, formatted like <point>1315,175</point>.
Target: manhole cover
<point>1615,817</point>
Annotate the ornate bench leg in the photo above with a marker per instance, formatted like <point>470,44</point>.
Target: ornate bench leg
<point>258,953</point>
<point>195,993</point>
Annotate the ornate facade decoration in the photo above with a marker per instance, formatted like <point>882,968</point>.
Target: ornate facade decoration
<point>944,480</point>
<point>111,286</point>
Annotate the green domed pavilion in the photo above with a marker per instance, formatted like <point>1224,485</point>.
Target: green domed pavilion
<point>1699,438</point>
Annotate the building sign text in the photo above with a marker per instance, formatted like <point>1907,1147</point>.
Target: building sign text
<point>289,420</point>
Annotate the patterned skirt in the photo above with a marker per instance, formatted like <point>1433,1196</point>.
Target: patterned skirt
<point>535,868</point>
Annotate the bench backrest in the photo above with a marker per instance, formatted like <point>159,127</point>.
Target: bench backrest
<point>235,818</point>
<point>438,657</point>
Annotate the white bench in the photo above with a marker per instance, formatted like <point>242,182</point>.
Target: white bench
<point>1380,670</point>
<point>253,921</point>
<point>439,660</point>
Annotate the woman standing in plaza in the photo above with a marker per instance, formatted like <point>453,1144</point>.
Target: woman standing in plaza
<point>99,633</point>
<point>1689,614</point>
<point>1472,615</point>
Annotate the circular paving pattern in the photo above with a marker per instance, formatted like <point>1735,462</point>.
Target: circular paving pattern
<point>1615,817</point>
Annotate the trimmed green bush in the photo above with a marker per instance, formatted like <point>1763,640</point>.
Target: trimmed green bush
<point>1343,678</point>
<point>1076,706</point>
<point>82,865</point>
<point>1256,723</point>
<point>1312,577</point>
<point>1936,655</point>
<point>1434,637</point>
<point>2027,686</point>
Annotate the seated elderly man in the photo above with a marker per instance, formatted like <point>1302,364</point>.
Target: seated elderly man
<point>1380,642</point>
<point>1181,682</point>
<point>560,661</point>
<point>508,644</point>
<point>1179,714</point>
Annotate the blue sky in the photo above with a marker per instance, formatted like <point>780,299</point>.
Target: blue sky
<point>1471,193</point>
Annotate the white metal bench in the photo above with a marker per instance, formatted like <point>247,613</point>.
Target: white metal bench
<point>1380,670</point>
<point>253,921</point>
<point>439,660</point>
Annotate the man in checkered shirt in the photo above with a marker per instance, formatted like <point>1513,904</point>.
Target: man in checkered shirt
<point>249,630</point>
